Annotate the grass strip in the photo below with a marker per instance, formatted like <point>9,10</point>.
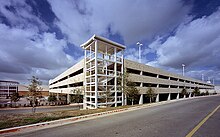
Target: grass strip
<point>14,120</point>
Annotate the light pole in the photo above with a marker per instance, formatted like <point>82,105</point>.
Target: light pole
<point>202,77</point>
<point>183,65</point>
<point>139,45</point>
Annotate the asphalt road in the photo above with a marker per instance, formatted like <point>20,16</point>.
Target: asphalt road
<point>170,120</point>
<point>38,109</point>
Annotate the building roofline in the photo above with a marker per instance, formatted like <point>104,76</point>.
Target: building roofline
<point>95,37</point>
<point>9,81</point>
<point>174,74</point>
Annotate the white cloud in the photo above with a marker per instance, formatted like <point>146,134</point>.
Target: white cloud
<point>31,52</point>
<point>19,14</point>
<point>26,47</point>
<point>195,44</point>
<point>133,54</point>
<point>133,20</point>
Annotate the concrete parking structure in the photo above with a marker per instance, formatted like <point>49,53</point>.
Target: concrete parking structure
<point>102,67</point>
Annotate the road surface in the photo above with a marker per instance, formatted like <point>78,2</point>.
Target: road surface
<point>38,109</point>
<point>169,120</point>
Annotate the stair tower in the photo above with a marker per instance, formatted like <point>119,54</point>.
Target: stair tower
<point>103,69</point>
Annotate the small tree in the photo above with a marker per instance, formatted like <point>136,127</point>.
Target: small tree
<point>52,98</point>
<point>107,96</point>
<point>128,87</point>
<point>34,91</point>
<point>77,97</point>
<point>196,91</point>
<point>131,91</point>
<point>15,97</point>
<point>184,92</point>
<point>150,93</point>
<point>207,92</point>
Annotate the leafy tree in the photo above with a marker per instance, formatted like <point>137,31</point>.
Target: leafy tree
<point>131,91</point>
<point>106,97</point>
<point>184,91</point>
<point>207,92</point>
<point>202,94</point>
<point>128,87</point>
<point>34,91</point>
<point>196,91</point>
<point>150,93</point>
<point>77,97</point>
<point>52,98</point>
<point>15,97</point>
<point>122,82</point>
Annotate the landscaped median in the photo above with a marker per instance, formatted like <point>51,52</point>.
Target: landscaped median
<point>15,120</point>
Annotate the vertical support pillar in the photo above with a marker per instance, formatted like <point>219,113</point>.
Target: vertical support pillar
<point>178,96</point>
<point>168,98</point>
<point>8,91</point>
<point>85,69</point>
<point>124,100</point>
<point>141,99</point>
<point>96,76</point>
<point>17,88</point>
<point>157,98</point>
<point>115,70</point>
<point>141,73</point>
<point>58,96</point>
<point>190,94</point>
<point>68,98</point>
<point>184,96</point>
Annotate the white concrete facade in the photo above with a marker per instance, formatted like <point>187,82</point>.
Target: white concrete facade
<point>7,88</point>
<point>98,73</point>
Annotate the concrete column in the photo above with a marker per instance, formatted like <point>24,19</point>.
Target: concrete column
<point>68,98</point>
<point>141,85</point>
<point>168,98</point>
<point>58,96</point>
<point>190,95</point>
<point>141,99</point>
<point>178,96</point>
<point>184,96</point>
<point>125,100</point>
<point>8,91</point>
<point>115,69</point>
<point>84,102</point>
<point>96,76</point>
<point>157,98</point>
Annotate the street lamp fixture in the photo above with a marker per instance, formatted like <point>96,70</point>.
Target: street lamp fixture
<point>183,65</point>
<point>139,45</point>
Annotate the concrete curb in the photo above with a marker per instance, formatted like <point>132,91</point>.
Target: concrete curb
<point>87,117</point>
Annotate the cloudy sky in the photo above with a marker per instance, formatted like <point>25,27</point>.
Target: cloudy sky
<point>42,37</point>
